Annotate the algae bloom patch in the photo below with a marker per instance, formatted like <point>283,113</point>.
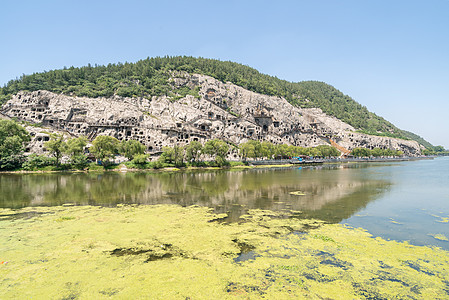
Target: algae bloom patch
<point>171,252</point>
<point>440,237</point>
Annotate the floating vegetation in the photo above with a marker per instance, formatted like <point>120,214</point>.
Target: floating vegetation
<point>298,193</point>
<point>440,237</point>
<point>395,222</point>
<point>322,237</point>
<point>171,252</point>
<point>441,219</point>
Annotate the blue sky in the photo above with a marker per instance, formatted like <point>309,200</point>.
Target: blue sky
<point>391,56</point>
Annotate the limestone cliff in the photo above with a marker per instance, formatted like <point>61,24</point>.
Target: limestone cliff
<point>222,110</point>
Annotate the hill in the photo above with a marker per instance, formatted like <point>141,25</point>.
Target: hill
<point>153,77</point>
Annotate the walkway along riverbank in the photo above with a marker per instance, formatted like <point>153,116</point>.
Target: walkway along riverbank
<point>334,160</point>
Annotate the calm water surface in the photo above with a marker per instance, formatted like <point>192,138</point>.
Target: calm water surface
<point>400,201</point>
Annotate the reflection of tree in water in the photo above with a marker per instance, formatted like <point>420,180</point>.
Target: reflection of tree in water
<point>96,189</point>
<point>56,189</point>
<point>65,188</point>
<point>116,188</point>
<point>331,193</point>
<point>14,192</point>
<point>348,204</point>
<point>195,183</point>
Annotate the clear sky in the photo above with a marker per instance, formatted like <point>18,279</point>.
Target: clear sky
<point>391,56</point>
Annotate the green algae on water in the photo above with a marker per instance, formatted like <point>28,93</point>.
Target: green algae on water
<point>171,252</point>
<point>440,237</point>
<point>441,219</point>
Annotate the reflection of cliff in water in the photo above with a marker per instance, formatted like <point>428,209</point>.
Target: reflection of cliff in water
<point>331,193</point>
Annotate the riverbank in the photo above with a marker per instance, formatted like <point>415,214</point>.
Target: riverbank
<point>377,159</point>
<point>235,165</point>
<point>335,160</point>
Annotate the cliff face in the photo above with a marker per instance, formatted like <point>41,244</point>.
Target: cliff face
<point>223,110</point>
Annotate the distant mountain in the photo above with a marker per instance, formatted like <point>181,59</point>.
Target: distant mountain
<point>153,77</point>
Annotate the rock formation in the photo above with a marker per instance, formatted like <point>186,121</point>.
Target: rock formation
<point>223,110</point>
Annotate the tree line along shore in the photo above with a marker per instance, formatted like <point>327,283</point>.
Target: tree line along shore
<point>78,154</point>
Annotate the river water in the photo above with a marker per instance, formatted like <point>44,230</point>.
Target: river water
<point>404,201</point>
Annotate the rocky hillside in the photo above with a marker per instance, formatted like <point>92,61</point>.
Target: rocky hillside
<point>153,77</point>
<point>195,107</point>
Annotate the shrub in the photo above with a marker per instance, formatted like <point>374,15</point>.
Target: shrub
<point>79,161</point>
<point>38,162</point>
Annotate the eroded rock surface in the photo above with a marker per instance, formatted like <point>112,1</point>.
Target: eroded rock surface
<point>223,110</point>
